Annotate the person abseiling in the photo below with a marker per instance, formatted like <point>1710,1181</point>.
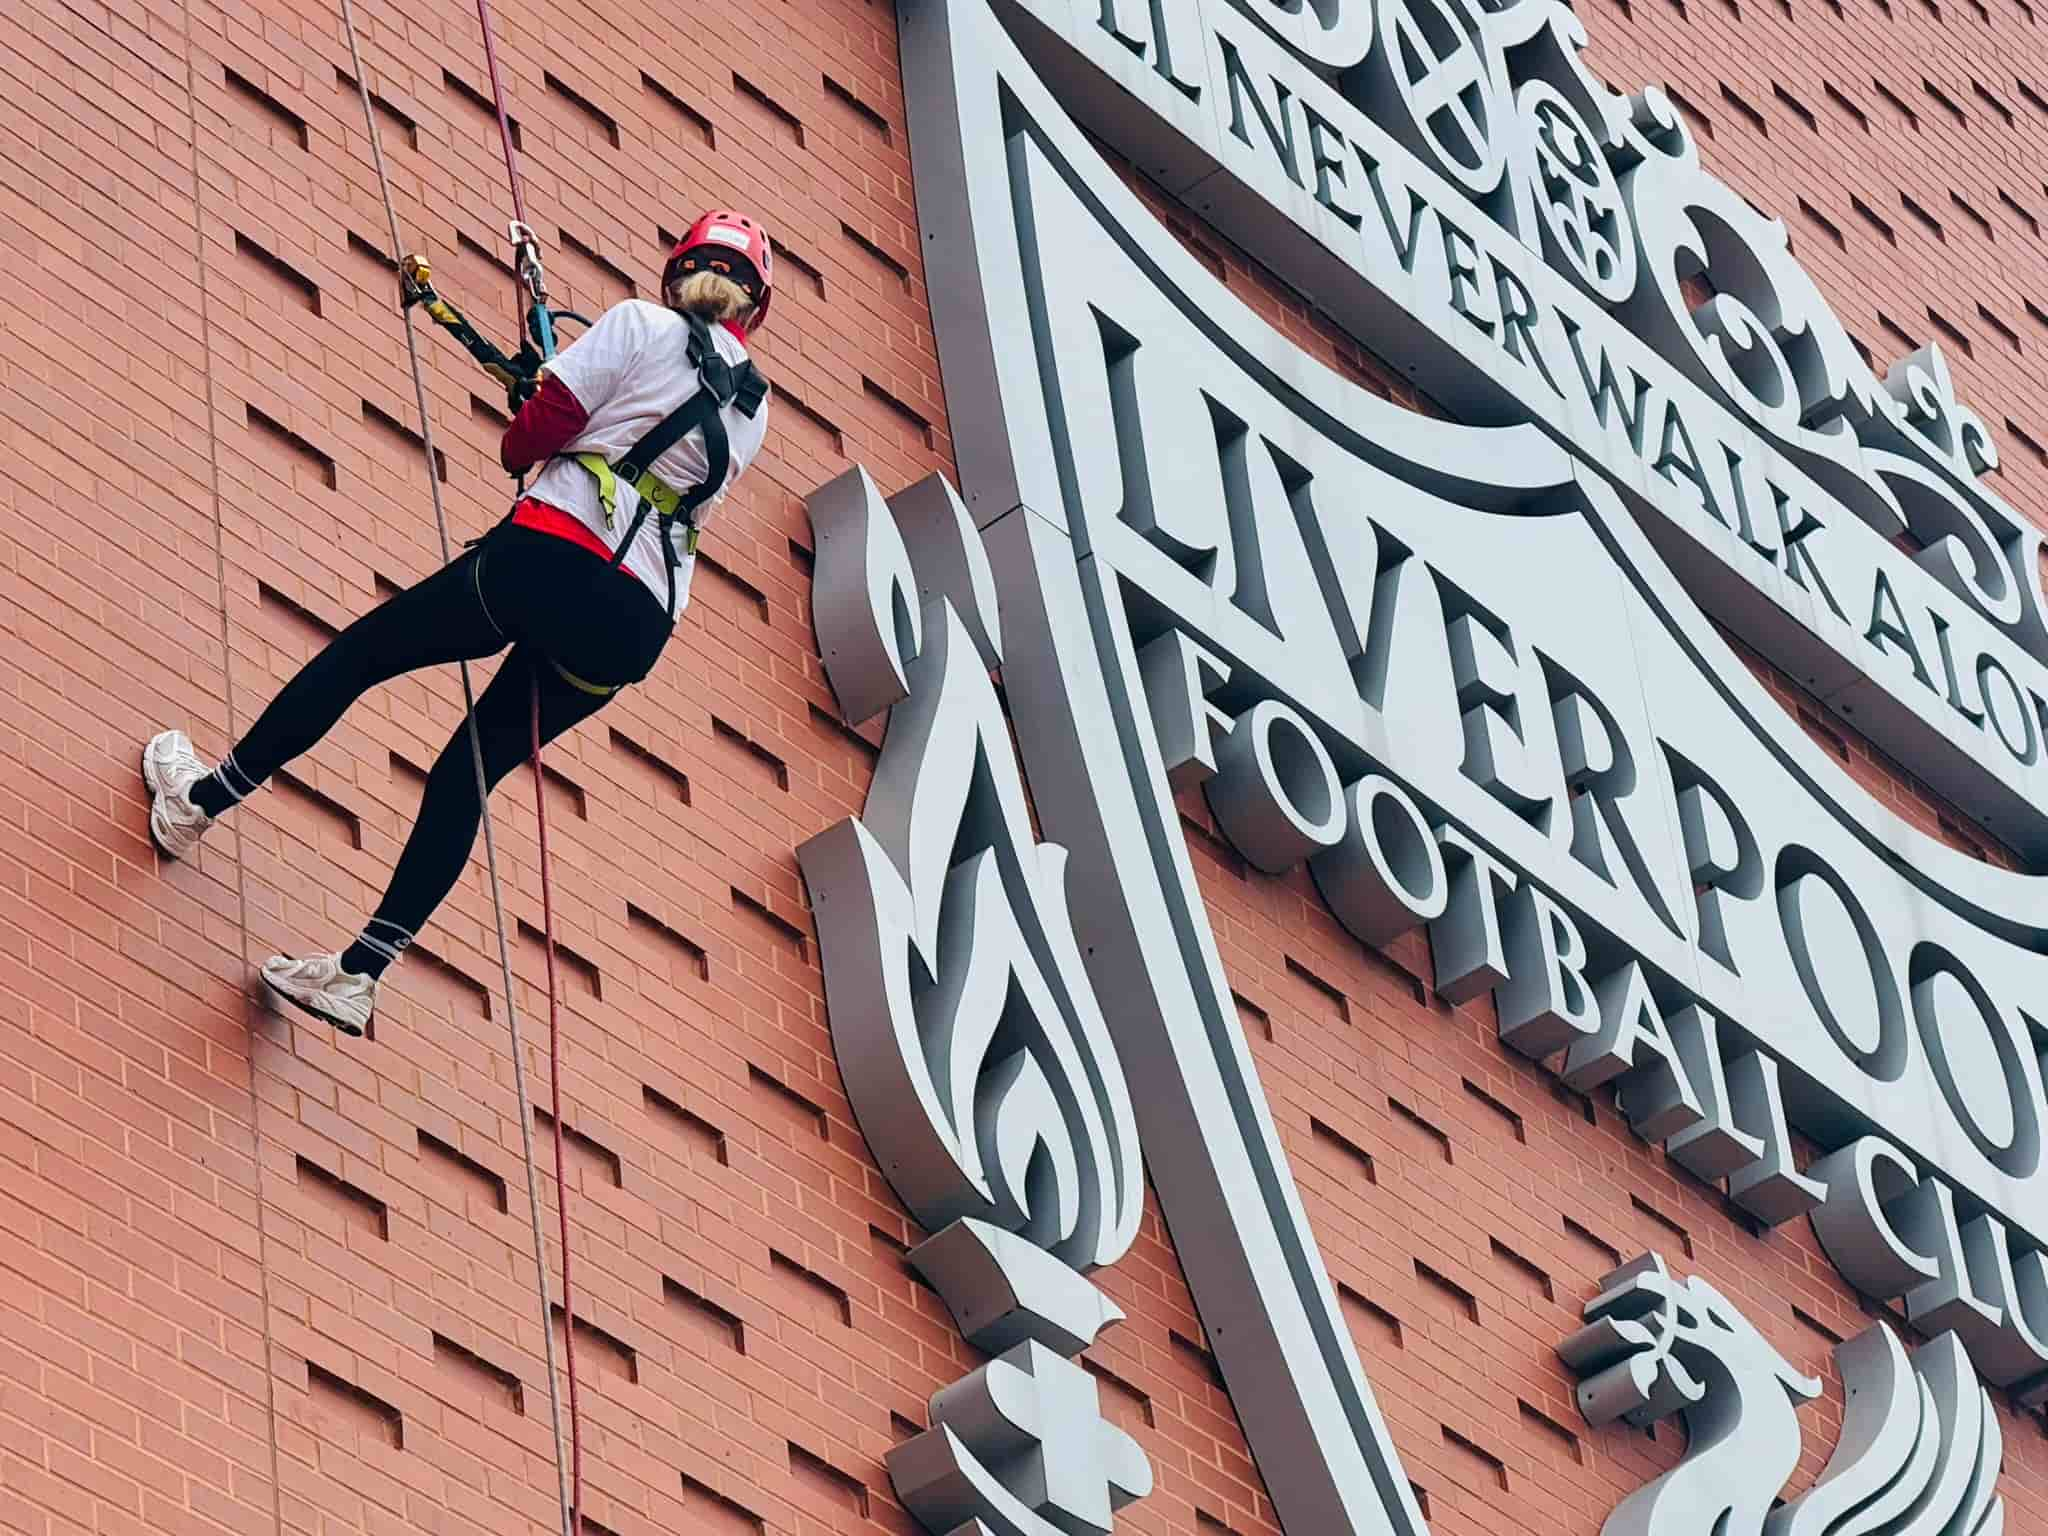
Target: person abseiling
<point>642,424</point>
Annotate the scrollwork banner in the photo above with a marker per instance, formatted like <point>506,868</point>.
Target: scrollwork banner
<point>1532,246</point>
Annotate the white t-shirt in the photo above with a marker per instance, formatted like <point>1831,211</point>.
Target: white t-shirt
<point>628,371</point>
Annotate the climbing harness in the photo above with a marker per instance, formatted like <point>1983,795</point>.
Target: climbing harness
<point>569,1470</point>
<point>719,384</point>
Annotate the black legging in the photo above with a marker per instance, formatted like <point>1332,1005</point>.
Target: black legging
<point>554,602</point>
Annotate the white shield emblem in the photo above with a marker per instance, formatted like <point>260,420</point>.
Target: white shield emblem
<point>1447,667</point>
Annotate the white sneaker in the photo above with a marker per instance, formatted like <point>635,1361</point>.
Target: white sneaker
<point>170,768</point>
<point>319,986</point>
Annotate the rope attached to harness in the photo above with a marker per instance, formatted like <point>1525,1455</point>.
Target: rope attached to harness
<point>568,1471</point>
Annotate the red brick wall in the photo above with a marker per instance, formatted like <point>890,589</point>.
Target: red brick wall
<point>253,1282</point>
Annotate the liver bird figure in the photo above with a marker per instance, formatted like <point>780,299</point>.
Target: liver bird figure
<point>1920,1446</point>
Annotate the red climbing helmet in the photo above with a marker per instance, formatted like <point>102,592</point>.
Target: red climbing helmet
<point>734,246</point>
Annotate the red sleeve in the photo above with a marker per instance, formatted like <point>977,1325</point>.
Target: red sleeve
<point>545,425</point>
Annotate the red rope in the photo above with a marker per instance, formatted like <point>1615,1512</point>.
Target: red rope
<point>547,921</point>
<point>483,16</point>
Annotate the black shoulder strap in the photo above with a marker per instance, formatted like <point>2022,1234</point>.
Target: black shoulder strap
<point>717,461</point>
<point>700,410</point>
<point>719,384</point>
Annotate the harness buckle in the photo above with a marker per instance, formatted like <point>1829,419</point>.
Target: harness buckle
<point>716,375</point>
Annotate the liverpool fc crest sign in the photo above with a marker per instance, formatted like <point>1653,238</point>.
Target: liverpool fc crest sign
<point>1471,674</point>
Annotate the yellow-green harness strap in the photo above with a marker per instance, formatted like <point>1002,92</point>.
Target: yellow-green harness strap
<point>601,690</point>
<point>664,498</point>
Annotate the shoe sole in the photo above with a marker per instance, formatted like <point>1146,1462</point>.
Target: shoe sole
<point>339,1026</point>
<point>149,781</point>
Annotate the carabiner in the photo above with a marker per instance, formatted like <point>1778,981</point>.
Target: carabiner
<point>526,258</point>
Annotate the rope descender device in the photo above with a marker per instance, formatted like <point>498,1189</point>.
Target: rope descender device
<point>518,372</point>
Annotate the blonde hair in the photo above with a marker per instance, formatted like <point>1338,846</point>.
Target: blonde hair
<point>712,295</point>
